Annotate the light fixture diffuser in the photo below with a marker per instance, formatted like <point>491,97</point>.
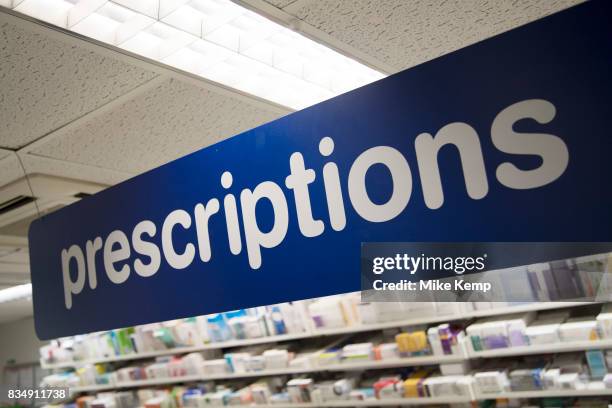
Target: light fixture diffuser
<point>15,293</point>
<point>216,39</point>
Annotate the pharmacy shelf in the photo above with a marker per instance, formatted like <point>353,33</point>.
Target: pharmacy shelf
<point>318,333</point>
<point>594,389</point>
<point>543,349</point>
<point>91,388</point>
<point>250,342</point>
<point>396,362</point>
<point>522,308</point>
<point>178,350</point>
<point>346,366</point>
<point>261,340</point>
<point>394,402</point>
<point>372,403</point>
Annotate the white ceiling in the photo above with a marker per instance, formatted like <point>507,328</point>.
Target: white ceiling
<point>403,33</point>
<point>164,122</point>
<point>75,109</point>
<point>47,82</point>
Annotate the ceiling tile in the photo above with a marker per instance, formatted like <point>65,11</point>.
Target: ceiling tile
<point>406,33</point>
<point>281,3</point>
<point>159,125</point>
<point>42,165</point>
<point>10,168</point>
<point>46,83</point>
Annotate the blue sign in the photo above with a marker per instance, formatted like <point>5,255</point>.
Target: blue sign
<point>506,140</point>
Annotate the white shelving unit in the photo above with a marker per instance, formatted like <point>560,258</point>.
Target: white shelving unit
<point>318,333</point>
<point>375,403</point>
<point>370,403</point>
<point>530,307</point>
<point>543,349</point>
<point>594,389</point>
<point>348,366</point>
<point>178,350</point>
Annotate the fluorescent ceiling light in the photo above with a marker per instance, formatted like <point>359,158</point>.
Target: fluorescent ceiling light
<point>16,293</point>
<point>216,39</point>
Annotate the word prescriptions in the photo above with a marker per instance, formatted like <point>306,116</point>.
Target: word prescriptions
<point>505,140</point>
<point>117,247</point>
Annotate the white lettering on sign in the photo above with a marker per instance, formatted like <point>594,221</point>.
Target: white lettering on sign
<point>117,248</point>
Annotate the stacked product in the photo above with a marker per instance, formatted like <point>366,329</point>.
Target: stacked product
<point>562,372</point>
<point>286,318</point>
<point>499,331</point>
<point>546,328</point>
<point>331,312</point>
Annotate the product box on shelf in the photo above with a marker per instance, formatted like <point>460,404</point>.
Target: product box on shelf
<point>567,371</point>
<point>299,389</point>
<point>551,378</point>
<point>125,399</point>
<point>84,401</point>
<point>572,381</point>
<point>187,333</point>
<point>597,364</point>
<point>607,380</point>
<point>217,398</point>
<point>499,331</point>
<point>103,403</point>
<point>333,312</point>
<point>218,329</point>
<point>494,334</point>
<point>157,370</point>
<point>579,329</point>
<point>194,363</point>
<point>386,351</point>
<point>215,367</point>
<point>362,394</point>
<point>176,367</point>
<point>261,393</point>
<point>303,361</point>
<point>413,343</point>
<point>295,316</point>
<point>527,379</point>
<point>389,387</point>
<point>492,381</point>
<point>449,386</point>
<point>238,362</point>
<point>130,374</point>
<point>247,327</point>
<point>53,354</point>
<point>333,390</point>
<point>358,352</point>
<point>545,328</point>
<point>414,385</point>
<point>433,336</point>
<point>257,363</point>
<point>276,359</point>
<point>242,396</point>
<point>570,362</point>
<point>604,321</point>
<point>329,357</point>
